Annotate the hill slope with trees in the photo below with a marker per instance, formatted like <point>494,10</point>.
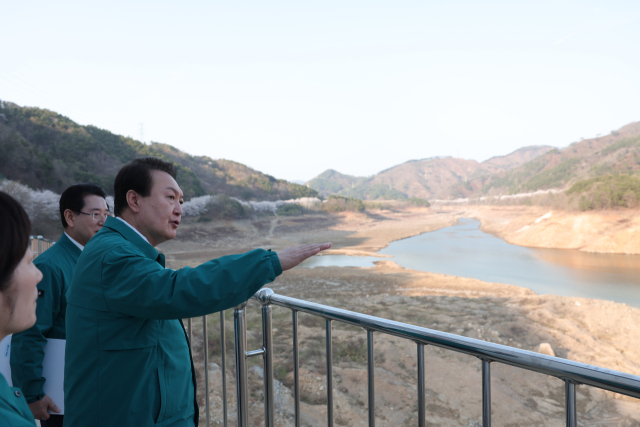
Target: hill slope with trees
<point>426,178</point>
<point>46,150</point>
<point>609,155</point>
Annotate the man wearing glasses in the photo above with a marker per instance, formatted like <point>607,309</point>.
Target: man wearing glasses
<point>83,212</point>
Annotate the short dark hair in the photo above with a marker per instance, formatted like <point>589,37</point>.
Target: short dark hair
<point>73,198</point>
<point>15,228</point>
<point>136,176</point>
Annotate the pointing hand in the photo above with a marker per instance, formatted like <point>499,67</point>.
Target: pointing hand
<point>294,255</point>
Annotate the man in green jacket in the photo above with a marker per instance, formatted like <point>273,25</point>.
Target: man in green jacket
<point>128,361</point>
<point>83,211</point>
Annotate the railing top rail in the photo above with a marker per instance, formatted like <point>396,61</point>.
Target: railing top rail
<point>581,373</point>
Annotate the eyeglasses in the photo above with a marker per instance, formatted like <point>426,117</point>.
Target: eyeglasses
<point>96,216</point>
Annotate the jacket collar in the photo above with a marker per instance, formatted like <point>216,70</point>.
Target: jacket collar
<point>66,244</point>
<point>132,237</point>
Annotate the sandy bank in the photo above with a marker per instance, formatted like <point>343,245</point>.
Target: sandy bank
<point>616,231</point>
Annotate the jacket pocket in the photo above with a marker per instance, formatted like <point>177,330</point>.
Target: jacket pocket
<point>163,395</point>
<point>125,332</point>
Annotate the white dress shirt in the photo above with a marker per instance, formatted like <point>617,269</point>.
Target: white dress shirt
<point>74,242</point>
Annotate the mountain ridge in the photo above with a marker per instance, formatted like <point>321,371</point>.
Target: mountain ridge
<point>422,178</point>
<point>46,150</point>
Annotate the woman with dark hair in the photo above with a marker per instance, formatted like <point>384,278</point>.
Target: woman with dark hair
<point>18,295</point>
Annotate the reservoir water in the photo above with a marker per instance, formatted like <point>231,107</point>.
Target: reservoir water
<point>464,250</point>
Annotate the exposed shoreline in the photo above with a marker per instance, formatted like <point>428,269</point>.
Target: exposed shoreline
<point>591,331</point>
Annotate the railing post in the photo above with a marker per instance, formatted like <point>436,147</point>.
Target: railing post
<point>421,390</point>
<point>371,380</point>
<point>329,375</point>
<point>267,343</point>
<point>39,244</point>
<point>223,351</point>
<point>570,399</point>
<point>296,368</point>
<point>205,341</point>
<point>486,393</point>
<point>240,331</point>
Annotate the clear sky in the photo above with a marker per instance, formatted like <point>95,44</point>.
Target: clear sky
<point>294,88</point>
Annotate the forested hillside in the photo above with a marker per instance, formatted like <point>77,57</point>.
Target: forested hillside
<point>436,177</point>
<point>613,154</point>
<point>46,150</point>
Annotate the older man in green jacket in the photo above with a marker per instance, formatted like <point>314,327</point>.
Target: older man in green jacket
<point>83,210</point>
<point>128,361</point>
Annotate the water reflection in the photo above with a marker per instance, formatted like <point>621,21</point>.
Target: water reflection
<point>609,263</point>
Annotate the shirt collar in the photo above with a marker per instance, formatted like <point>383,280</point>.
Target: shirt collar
<point>132,235</point>
<point>69,245</point>
<point>74,242</point>
<point>131,227</point>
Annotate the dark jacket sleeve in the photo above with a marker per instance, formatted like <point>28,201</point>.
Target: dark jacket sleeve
<point>27,347</point>
<point>138,286</point>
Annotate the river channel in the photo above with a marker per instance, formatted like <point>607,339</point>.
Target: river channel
<point>464,250</point>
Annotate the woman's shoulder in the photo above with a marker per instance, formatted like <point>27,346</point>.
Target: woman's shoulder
<point>14,410</point>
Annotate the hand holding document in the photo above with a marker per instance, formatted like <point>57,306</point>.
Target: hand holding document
<point>52,369</point>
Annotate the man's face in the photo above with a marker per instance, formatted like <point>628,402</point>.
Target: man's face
<point>84,226</point>
<point>160,213</point>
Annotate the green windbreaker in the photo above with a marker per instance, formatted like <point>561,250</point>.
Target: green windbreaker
<point>127,359</point>
<point>27,347</point>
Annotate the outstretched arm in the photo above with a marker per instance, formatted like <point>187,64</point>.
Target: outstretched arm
<point>294,255</point>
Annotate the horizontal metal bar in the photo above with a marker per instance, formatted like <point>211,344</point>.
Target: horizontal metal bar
<point>581,373</point>
<point>253,353</point>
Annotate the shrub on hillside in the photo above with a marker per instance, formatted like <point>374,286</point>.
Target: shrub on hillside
<point>290,209</point>
<point>419,202</point>
<point>220,206</point>
<point>368,191</point>
<point>335,203</point>
<point>607,192</point>
<point>226,207</point>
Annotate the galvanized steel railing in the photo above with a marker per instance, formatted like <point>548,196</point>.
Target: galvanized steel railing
<point>39,244</point>
<point>572,373</point>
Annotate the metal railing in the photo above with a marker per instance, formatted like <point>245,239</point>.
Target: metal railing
<point>39,244</point>
<point>572,373</point>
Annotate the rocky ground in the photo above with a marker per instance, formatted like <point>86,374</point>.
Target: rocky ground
<point>590,331</point>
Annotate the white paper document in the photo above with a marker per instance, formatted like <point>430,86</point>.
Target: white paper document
<point>5,352</point>
<point>52,368</point>
<point>53,371</point>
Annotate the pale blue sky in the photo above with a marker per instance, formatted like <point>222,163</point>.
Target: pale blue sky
<point>294,88</point>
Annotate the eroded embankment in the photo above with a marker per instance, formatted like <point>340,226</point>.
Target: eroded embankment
<point>616,231</point>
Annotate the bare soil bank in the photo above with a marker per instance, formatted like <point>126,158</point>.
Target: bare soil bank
<point>590,331</point>
<point>615,231</point>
